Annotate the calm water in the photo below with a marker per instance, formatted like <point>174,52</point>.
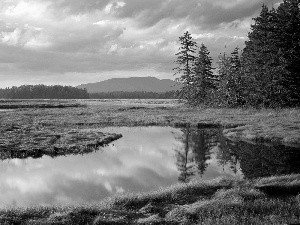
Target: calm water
<point>144,159</point>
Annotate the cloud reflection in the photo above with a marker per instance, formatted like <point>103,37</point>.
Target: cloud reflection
<point>143,160</point>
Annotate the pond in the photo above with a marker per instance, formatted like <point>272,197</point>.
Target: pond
<point>144,159</point>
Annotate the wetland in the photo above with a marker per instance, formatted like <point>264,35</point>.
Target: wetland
<point>140,161</point>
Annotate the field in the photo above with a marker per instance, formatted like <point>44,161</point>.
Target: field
<point>273,200</point>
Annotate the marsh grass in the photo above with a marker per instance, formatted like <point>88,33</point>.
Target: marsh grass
<point>32,103</point>
<point>281,126</point>
<point>17,141</point>
<point>219,201</point>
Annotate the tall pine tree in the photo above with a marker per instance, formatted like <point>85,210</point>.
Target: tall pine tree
<point>203,79</point>
<point>231,87</point>
<point>185,61</point>
<point>262,63</point>
<point>288,41</point>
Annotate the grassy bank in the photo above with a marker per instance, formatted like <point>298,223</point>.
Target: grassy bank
<point>27,141</point>
<point>278,126</point>
<point>273,200</point>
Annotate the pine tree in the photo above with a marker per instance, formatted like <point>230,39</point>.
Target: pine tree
<point>185,62</point>
<point>203,79</point>
<point>262,63</point>
<point>230,89</point>
<point>288,35</point>
<point>223,70</point>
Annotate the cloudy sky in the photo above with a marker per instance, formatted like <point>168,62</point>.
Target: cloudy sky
<point>70,42</point>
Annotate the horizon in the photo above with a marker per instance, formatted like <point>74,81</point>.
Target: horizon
<point>73,42</point>
<point>90,83</point>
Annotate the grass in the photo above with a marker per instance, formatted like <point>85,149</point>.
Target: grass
<point>264,125</point>
<point>219,201</point>
<point>24,141</point>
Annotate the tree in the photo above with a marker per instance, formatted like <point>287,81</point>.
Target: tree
<point>271,57</point>
<point>202,79</point>
<point>230,88</point>
<point>185,62</point>
<point>256,57</point>
<point>288,41</point>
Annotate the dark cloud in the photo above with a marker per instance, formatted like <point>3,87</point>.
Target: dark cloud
<point>213,16</point>
<point>204,13</point>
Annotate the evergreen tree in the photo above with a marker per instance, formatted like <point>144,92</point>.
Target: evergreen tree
<point>185,62</point>
<point>254,58</point>
<point>203,80</point>
<point>262,63</point>
<point>230,89</point>
<point>288,35</point>
<point>223,69</point>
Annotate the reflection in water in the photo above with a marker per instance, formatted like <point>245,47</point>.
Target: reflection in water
<point>144,159</point>
<point>185,158</point>
<point>202,146</point>
<point>196,152</point>
<point>260,160</point>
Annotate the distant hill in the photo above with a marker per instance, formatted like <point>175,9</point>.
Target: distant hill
<point>132,84</point>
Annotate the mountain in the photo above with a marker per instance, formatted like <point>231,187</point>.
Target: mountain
<point>148,84</point>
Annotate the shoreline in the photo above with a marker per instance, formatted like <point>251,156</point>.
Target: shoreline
<point>271,200</point>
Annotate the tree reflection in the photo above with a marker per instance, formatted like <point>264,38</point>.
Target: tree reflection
<point>195,152</point>
<point>258,160</point>
<point>185,158</point>
<point>253,160</point>
<point>227,154</point>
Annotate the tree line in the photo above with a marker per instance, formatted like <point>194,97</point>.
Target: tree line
<point>132,95</point>
<point>266,73</point>
<point>67,92</point>
<point>43,92</point>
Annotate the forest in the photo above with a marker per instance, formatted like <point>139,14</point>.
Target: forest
<point>68,92</point>
<point>43,92</point>
<point>266,73</point>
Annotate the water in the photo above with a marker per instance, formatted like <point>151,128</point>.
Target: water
<point>144,159</point>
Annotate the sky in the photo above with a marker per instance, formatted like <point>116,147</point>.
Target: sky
<point>73,42</point>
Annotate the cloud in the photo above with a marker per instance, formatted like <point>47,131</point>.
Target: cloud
<point>204,13</point>
<point>28,36</point>
<point>78,6</point>
<point>54,38</point>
